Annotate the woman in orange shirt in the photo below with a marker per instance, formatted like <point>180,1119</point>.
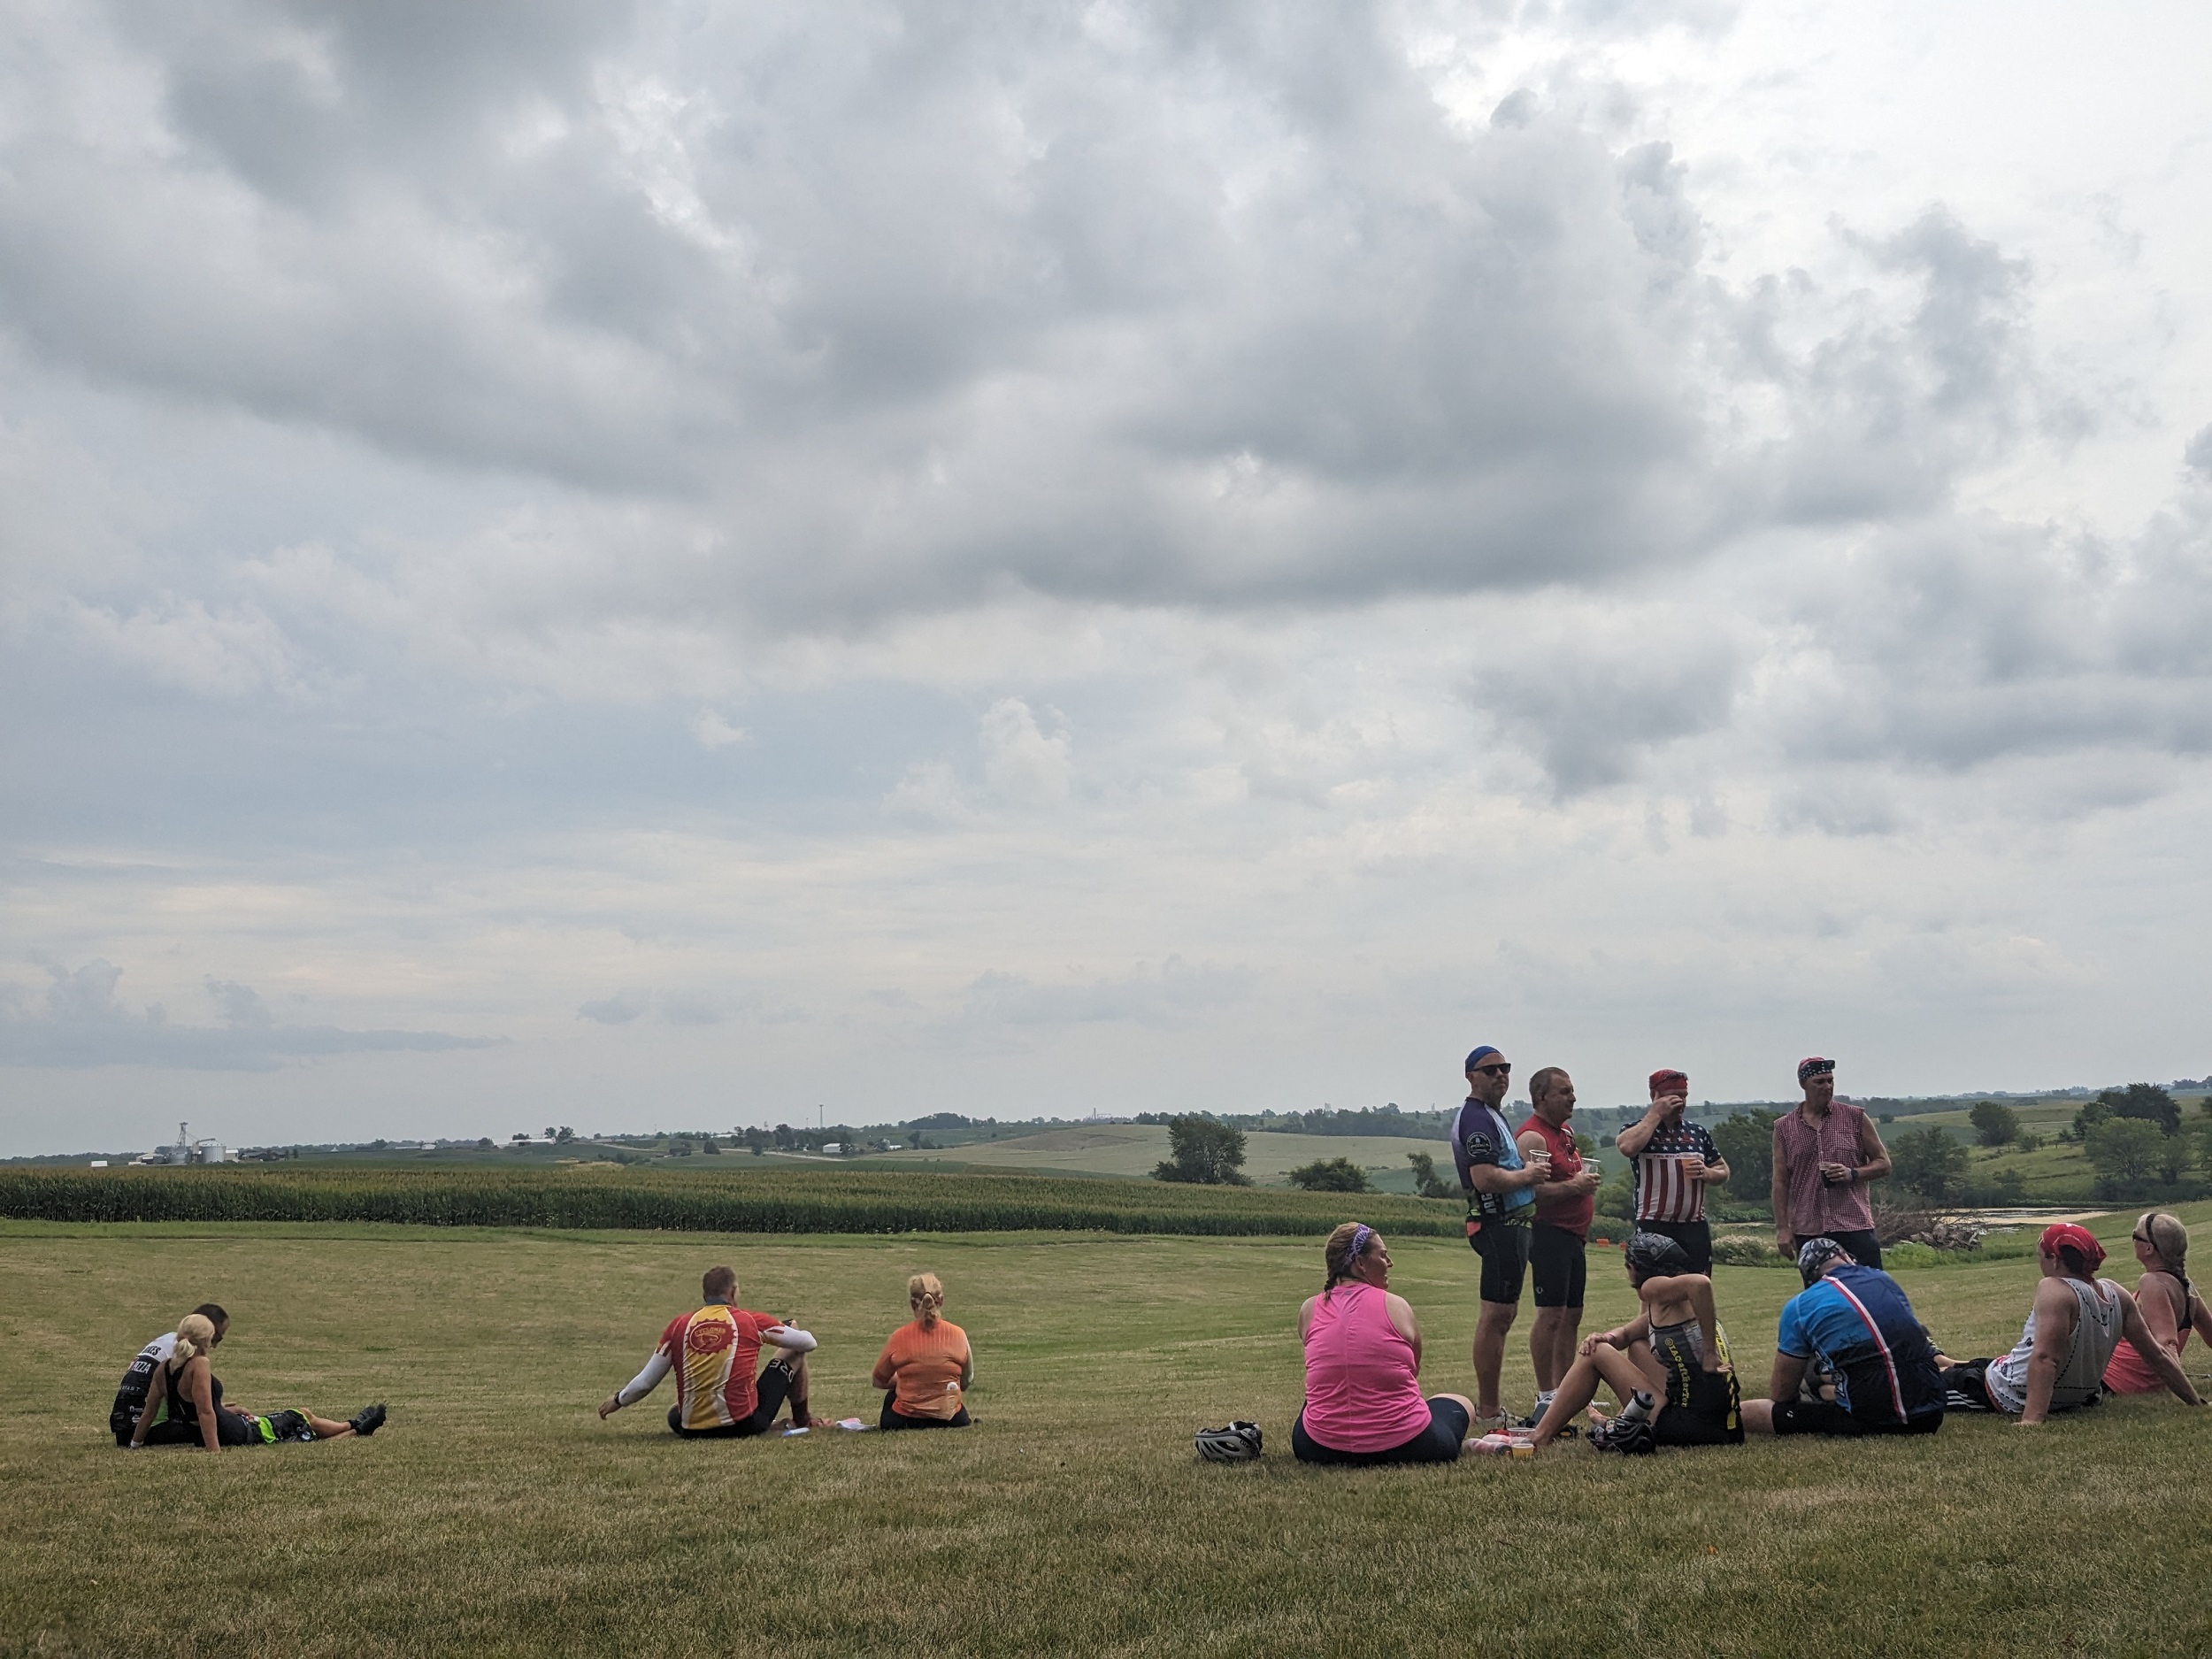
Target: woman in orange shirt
<point>925,1365</point>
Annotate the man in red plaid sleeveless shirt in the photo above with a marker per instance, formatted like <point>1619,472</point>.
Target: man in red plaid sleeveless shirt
<point>1825,1153</point>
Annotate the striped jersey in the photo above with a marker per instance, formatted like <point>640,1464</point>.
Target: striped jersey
<point>1664,1191</point>
<point>1857,1321</point>
<point>712,1353</point>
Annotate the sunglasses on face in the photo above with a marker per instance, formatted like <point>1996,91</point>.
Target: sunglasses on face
<point>1499,1070</point>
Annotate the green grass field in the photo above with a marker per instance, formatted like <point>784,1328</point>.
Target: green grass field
<point>1134,1148</point>
<point>495,1514</point>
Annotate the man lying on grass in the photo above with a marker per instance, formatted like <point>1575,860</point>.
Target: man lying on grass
<point>1855,1324</point>
<point>2077,1321</point>
<point>711,1351</point>
<point>1668,1366</point>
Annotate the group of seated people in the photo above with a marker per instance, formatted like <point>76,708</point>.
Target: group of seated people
<point>1851,1356</point>
<point>925,1368</point>
<point>171,1396</point>
<point>1851,1359</point>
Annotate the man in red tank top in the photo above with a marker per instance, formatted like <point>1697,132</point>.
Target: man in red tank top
<point>1566,1199</point>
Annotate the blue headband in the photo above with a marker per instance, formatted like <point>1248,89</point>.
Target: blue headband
<point>1474,1059</point>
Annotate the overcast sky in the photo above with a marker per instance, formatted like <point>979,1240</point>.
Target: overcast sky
<point>675,565</point>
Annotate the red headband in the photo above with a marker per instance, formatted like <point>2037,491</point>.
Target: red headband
<point>2083,1241</point>
<point>1659,1079</point>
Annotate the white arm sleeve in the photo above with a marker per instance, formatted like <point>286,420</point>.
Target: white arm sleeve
<point>790,1337</point>
<point>646,1380</point>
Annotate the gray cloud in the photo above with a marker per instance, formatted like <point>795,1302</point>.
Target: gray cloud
<point>1957,644</point>
<point>882,308</point>
<point>1174,993</point>
<point>1592,702</point>
<point>677,1007</point>
<point>80,1022</point>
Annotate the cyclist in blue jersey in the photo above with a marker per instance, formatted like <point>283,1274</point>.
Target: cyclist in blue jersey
<point>1501,1183</point>
<point>1854,1323</point>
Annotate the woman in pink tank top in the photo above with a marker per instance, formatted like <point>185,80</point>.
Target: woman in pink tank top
<point>2170,1304</point>
<point>1363,1401</point>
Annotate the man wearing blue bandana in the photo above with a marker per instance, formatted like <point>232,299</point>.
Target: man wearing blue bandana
<point>1501,1183</point>
<point>1855,1324</point>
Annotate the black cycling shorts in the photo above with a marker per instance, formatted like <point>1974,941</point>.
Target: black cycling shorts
<point>1703,1407</point>
<point>1694,1237</point>
<point>1439,1443</point>
<point>893,1418</point>
<point>1966,1387</point>
<point>1708,1412</point>
<point>1504,1250</point>
<point>772,1389</point>
<point>1824,1417</point>
<point>1558,1262</point>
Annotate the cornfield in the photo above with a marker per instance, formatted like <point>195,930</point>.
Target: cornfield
<point>766,1201</point>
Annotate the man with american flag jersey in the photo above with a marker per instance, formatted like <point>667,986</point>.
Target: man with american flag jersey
<point>1674,1160</point>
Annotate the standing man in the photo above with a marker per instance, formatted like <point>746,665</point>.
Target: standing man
<point>1565,1200</point>
<point>1825,1153</point>
<point>1501,1188</point>
<point>1674,1160</point>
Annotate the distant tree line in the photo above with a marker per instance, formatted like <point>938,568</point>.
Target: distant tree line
<point>1391,1119</point>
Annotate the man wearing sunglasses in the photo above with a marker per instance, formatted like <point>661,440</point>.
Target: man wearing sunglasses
<point>1501,1182</point>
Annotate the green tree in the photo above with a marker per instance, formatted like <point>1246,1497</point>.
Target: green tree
<point>1747,1141</point>
<point>1617,1197</point>
<point>2089,1116</point>
<point>2124,1152</point>
<point>2009,1187</point>
<point>1425,1179</point>
<point>1204,1153</point>
<point>1928,1164</point>
<point>2146,1101</point>
<point>1331,1175</point>
<point>1995,1124</point>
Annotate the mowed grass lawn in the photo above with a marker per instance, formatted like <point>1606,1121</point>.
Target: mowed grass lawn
<point>495,1514</point>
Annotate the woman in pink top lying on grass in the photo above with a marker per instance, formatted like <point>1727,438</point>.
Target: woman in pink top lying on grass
<point>1363,1401</point>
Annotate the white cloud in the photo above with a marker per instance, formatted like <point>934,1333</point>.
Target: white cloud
<point>712,731</point>
<point>1649,526</point>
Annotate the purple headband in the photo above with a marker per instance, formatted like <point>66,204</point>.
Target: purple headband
<point>1360,1235</point>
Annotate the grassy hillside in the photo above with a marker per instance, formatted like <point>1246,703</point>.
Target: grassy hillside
<point>496,1515</point>
<point>1133,1149</point>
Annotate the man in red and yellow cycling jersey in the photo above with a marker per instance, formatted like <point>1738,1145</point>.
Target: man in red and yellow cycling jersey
<point>712,1351</point>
